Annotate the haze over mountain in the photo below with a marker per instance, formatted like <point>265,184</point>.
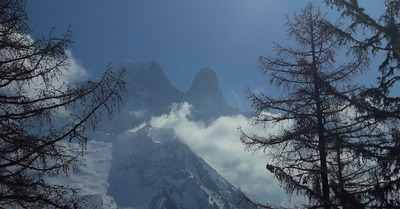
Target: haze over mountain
<point>148,84</point>
<point>148,88</point>
<point>150,93</point>
<point>152,169</point>
<point>206,97</point>
<point>137,163</point>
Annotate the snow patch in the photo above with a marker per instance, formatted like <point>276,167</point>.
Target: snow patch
<point>133,130</point>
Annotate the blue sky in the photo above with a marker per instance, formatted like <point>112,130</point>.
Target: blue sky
<point>182,36</point>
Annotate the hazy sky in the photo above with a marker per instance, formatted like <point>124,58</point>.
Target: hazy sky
<point>182,36</point>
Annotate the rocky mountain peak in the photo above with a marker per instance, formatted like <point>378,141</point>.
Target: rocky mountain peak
<point>206,96</point>
<point>206,82</point>
<point>205,91</point>
<point>150,93</point>
<point>150,76</point>
<point>149,87</point>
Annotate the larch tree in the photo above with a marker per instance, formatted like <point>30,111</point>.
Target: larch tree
<point>379,104</point>
<point>42,117</point>
<point>316,151</point>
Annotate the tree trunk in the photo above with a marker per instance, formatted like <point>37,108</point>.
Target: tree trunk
<point>320,125</point>
<point>322,151</point>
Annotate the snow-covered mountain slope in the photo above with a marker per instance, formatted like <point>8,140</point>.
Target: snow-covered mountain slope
<point>91,178</point>
<point>132,165</point>
<point>152,169</point>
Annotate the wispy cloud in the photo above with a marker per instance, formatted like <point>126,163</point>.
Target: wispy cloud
<point>219,145</point>
<point>75,73</point>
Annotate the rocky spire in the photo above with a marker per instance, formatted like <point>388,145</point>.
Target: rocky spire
<point>206,96</point>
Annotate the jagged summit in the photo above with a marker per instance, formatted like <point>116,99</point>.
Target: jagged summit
<point>205,82</point>
<point>206,96</point>
<point>150,93</point>
<point>149,76</point>
<point>149,87</point>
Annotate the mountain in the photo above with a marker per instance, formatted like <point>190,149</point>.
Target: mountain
<point>206,97</point>
<point>150,93</point>
<point>133,165</point>
<point>153,169</point>
<point>92,177</point>
<point>149,88</point>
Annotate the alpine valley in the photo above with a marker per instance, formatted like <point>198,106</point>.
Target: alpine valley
<point>132,165</point>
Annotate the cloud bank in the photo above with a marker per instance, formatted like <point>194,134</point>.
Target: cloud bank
<point>219,145</point>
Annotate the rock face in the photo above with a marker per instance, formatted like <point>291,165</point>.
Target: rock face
<point>206,97</point>
<point>150,93</point>
<point>149,88</point>
<point>205,84</point>
<point>153,169</point>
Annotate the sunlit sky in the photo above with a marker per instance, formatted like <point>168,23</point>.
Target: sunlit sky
<point>183,36</point>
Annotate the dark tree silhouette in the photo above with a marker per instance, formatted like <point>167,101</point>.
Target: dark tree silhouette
<point>375,36</point>
<point>378,104</point>
<point>318,149</point>
<point>37,141</point>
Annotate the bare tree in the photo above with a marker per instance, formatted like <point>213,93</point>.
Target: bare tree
<point>42,117</point>
<point>316,151</point>
<point>381,35</point>
<point>378,104</point>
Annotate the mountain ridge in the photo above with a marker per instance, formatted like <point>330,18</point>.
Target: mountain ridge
<point>150,168</point>
<point>150,93</point>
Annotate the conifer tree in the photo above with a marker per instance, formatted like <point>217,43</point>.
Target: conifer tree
<point>379,104</point>
<point>378,37</point>
<point>42,117</point>
<point>318,149</point>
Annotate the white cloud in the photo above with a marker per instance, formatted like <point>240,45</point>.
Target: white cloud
<point>43,80</point>
<point>219,145</point>
<point>75,72</point>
